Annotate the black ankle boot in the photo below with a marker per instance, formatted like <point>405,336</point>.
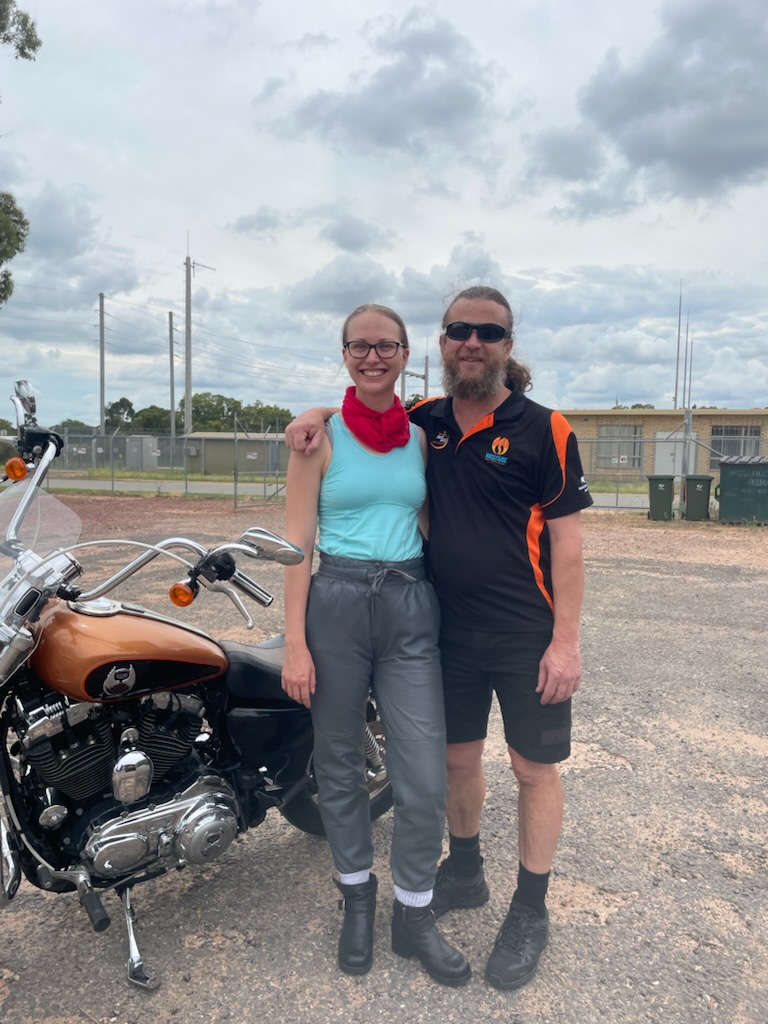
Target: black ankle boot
<point>414,933</point>
<point>356,939</point>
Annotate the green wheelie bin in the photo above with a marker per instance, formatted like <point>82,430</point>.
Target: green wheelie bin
<point>661,493</point>
<point>695,503</point>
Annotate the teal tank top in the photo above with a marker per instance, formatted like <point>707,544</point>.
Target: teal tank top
<point>369,503</point>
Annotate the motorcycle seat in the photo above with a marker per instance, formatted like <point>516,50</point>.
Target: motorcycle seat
<point>255,670</point>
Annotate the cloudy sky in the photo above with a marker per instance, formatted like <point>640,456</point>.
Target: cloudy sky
<point>584,158</point>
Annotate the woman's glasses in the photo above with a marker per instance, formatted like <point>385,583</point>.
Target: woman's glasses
<point>460,330</point>
<point>383,349</point>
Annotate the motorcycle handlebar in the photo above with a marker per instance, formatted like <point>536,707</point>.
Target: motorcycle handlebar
<point>251,588</point>
<point>45,446</point>
<point>239,579</point>
<point>151,552</point>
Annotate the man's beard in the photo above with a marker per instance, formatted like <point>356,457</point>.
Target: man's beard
<point>474,389</point>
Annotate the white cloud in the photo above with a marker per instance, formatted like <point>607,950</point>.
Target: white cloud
<point>683,119</point>
<point>412,104</point>
<point>581,158</point>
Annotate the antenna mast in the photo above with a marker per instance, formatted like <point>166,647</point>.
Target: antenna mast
<point>189,267</point>
<point>677,357</point>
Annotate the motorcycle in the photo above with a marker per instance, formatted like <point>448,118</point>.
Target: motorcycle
<point>130,742</point>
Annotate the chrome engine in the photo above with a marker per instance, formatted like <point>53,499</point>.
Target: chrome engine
<point>73,746</point>
<point>120,787</point>
<point>194,827</point>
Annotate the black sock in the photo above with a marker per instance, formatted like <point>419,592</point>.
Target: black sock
<point>465,855</point>
<point>531,889</point>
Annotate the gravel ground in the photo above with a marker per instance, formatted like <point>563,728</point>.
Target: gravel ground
<point>658,900</point>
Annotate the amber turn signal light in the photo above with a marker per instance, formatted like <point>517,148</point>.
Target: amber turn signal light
<point>16,468</point>
<point>182,594</point>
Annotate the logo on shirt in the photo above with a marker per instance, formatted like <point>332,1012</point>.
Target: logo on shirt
<point>440,441</point>
<point>498,452</point>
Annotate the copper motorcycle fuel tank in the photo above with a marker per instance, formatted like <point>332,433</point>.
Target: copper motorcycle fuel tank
<point>102,651</point>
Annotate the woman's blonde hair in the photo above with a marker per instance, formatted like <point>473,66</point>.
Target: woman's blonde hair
<point>372,307</point>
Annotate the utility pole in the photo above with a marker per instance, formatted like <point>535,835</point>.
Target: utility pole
<point>687,431</point>
<point>412,373</point>
<point>685,361</point>
<point>173,393</point>
<point>189,267</point>
<point>188,347</point>
<point>102,374</point>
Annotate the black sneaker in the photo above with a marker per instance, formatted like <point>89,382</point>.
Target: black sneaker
<point>519,944</point>
<point>453,892</point>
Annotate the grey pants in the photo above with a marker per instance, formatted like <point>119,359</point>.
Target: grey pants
<point>375,624</point>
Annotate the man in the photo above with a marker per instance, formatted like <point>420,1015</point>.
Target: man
<point>506,491</point>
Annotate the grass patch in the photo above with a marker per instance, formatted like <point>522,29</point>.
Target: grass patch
<point>150,475</point>
<point>602,485</point>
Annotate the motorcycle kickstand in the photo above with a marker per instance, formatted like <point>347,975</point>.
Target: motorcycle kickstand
<point>136,972</point>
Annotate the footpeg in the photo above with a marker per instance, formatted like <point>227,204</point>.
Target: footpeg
<point>91,903</point>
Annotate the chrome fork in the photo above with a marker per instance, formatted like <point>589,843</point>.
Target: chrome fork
<point>10,865</point>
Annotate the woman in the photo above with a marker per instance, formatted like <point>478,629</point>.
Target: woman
<point>368,617</point>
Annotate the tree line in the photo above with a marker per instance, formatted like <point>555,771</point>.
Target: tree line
<point>209,412</point>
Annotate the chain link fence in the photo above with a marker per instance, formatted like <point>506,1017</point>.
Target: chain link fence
<point>253,465</point>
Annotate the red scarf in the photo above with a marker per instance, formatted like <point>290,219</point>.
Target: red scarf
<point>381,431</point>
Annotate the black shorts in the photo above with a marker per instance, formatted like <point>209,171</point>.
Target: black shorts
<point>477,665</point>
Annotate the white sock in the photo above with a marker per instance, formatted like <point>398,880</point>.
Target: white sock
<point>413,899</point>
<point>355,877</point>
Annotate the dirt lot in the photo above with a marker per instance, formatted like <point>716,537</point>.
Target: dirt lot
<point>607,533</point>
<point>658,900</point>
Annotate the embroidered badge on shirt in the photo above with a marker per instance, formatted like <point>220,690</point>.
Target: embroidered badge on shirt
<point>498,452</point>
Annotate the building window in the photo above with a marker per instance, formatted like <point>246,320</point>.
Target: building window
<point>733,441</point>
<point>619,446</point>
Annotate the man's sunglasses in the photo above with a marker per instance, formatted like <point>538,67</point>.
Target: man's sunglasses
<point>460,330</point>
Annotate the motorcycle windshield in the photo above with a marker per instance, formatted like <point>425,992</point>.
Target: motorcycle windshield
<point>46,524</point>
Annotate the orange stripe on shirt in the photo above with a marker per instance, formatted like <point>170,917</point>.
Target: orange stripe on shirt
<point>561,431</point>
<point>483,424</point>
<point>536,524</point>
<point>425,401</point>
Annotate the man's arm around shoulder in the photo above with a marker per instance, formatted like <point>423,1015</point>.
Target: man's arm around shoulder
<point>306,432</point>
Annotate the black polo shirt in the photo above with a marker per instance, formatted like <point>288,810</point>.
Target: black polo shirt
<point>491,493</point>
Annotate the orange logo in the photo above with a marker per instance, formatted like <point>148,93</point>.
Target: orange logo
<point>440,441</point>
<point>500,446</point>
